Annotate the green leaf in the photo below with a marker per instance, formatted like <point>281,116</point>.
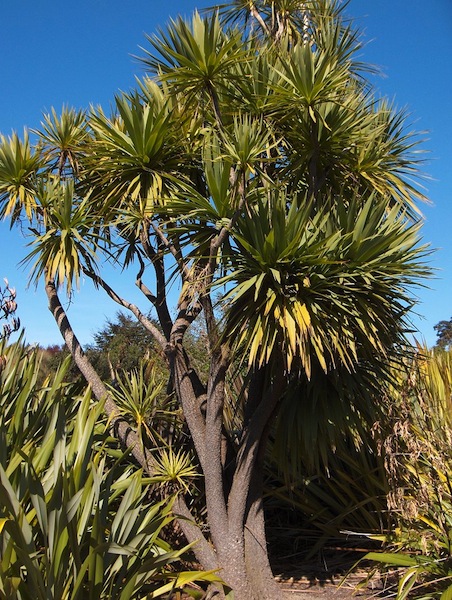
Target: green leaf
<point>393,558</point>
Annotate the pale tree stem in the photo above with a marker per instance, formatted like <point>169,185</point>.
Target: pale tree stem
<point>159,300</point>
<point>203,550</point>
<point>306,25</point>
<point>153,330</point>
<point>119,427</point>
<point>256,14</point>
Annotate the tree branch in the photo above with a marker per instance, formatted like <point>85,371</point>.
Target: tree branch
<point>248,451</point>
<point>256,14</point>
<point>153,330</point>
<point>122,430</point>
<point>202,549</point>
<point>211,323</point>
<point>213,468</point>
<point>118,426</point>
<point>224,231</point>
<point>159,301</point>
<point>184,271</point>
<point>191,397</point>
<point>142,286</point>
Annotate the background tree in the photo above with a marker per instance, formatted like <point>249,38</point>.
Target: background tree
<point>254,165</point>
<point>444,334</point>
<point>120,346</point>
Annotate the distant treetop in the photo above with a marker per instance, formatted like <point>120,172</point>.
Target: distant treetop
<point>444,334</point>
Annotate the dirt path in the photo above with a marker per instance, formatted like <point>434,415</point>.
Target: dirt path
<point>333,586</point>
<point>305,590</point>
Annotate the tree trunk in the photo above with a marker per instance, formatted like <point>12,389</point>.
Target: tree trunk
<point>256,548</point>
<point>244,564</point>
<point>242,552</point>
<point>238,548</point>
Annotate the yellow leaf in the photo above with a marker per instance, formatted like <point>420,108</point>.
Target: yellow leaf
<point>306,361</point>
<point>447,594</point>
<point>289,358</point>
<point>255,346</point>
<point>291,330</point>
<point>271,297</point>
<point>319,351</point>
<point>302,314</point>
<point>3,522</point>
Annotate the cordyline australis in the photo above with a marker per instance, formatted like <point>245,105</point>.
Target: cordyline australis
<point>253,170</point>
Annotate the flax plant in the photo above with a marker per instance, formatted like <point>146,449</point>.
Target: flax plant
<point>75,516</point>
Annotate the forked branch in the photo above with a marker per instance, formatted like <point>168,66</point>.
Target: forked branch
<point>153,330</point>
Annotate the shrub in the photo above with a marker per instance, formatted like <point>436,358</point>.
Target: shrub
<point>76,519</point>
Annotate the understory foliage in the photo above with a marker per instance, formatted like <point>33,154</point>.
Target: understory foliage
<point>259,191</point>
<point>76,518</point>
<point>416,442</point>
<point>386,484</point>
<point>315,499</point>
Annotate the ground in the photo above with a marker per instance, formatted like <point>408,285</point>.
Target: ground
<point>294,588</point>
<point>338,578</point>
<point>335,577</point>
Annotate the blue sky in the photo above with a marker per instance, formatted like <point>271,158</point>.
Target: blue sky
<point>53,53</point>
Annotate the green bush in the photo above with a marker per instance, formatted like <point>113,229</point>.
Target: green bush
<point>76,519</point>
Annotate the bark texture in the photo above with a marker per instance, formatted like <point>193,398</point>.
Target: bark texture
<point>235,544</point>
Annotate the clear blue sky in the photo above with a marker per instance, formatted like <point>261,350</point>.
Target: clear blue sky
<point>52,53</point>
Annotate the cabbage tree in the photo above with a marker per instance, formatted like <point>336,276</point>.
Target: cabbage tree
<point>255,171</point>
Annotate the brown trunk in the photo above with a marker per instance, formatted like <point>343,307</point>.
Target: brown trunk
<point>242,553</point>
<point>256,554</point>
<point>249,576</point>
<point>203,550</point>
<point>256,549</point>
<point>233,568</point>
<point>238,548</point>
